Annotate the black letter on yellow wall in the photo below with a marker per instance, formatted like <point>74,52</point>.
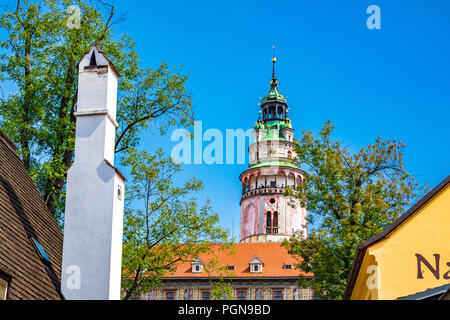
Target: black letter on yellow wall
<point>447,274</point>
<point>434,271</point>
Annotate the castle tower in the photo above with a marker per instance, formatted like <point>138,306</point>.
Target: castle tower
<point>267,215</point>
<point>92,251</point>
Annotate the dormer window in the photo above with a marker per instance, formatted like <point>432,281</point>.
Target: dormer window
<point>41,252</point>
<point>256,265</point>
<point>4,283</point>
<point>197,265</point>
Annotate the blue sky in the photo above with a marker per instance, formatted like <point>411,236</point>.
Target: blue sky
<point>393,82</point>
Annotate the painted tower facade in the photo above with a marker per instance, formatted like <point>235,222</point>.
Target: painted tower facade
<point>267,215</point>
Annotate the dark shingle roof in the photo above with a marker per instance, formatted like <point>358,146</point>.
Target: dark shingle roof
<point>430,294</point>
<point>24,215</point>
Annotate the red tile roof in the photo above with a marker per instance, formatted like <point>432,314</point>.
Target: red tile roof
<point>273,255</point>
<point>23,214</point>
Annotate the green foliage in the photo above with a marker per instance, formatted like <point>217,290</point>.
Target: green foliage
<point>222,290</point>
<point>39,54</point>
<point>350,197</point>
<point>163,223</point>
<point>220,277</point>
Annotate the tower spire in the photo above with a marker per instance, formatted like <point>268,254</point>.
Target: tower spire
<point>274,82</point>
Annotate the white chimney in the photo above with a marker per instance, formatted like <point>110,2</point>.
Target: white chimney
<point>93,226</point>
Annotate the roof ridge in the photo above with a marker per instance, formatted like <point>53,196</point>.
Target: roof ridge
<point>4,138</point>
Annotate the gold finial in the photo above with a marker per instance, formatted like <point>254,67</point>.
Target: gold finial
<point>274,59</point>
<point>260,111</point>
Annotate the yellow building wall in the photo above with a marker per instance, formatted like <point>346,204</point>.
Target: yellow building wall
<point>426,233</point>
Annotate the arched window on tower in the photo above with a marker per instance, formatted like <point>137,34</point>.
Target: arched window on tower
<point>298,181</point>
<point>272,112</point>
<point>275,223</point>
<point>280,110</point>
<point>252,183</point>
<point>291,180</point>
<point>281,180</point>
<point>269,222</point>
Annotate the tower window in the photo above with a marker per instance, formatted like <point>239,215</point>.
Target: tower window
<point>275,220</point>
<point>272,223</point>
<point>272,201</point>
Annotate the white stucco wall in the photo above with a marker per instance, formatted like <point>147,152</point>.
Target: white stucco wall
<point>93,227</point>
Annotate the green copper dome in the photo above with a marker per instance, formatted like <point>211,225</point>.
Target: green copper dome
<point>274,95</point>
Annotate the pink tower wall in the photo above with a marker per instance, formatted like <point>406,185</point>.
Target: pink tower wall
<point>253,218</point>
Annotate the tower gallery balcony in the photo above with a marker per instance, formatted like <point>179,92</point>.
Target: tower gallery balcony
<point>267,190</point>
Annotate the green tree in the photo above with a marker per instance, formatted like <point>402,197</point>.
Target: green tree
<point>351,197</point>
<point>163,224</point>
<point>39,53</point>
<point>220,277</point>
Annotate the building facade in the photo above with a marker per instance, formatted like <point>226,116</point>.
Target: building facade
<point>257,271</point>
<point>410,259</point>
<point>260,268</point>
